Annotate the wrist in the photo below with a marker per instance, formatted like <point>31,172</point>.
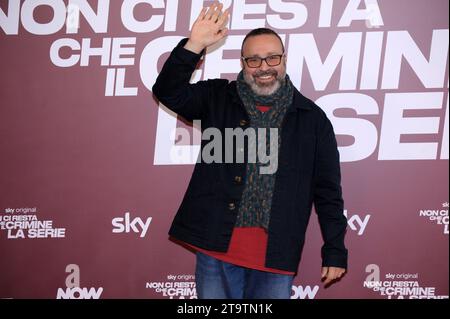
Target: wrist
<point>193,47</point>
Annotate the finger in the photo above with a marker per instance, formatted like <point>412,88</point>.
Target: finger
<point>222,26</point>
<point>337,272</point>
<point>327,281</point>
<point>201,16</point>
<point>210,12</point>
<point>217,12</point>
<point>330,277</point>
<point>223,19</point>
<point>324,272</point>
<point>221,34</point>
<point>332,273</point>
<point>224,32</point>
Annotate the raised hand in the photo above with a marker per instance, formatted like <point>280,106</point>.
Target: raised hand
<point>208,28</point>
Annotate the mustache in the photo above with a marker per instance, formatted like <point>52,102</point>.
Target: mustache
<point>264,73</point>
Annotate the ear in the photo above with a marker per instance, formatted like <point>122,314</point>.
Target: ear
<point>242,63</point>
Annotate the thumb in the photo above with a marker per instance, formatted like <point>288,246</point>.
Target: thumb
<point>324,272</point>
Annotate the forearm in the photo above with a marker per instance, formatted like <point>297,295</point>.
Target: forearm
<point>175,73</point>
<point>328,200</point>
<point>172,87</point>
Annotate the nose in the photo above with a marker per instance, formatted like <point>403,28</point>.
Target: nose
<point>264,66</point>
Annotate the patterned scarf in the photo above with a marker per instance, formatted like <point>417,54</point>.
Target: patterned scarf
<point>256,203</point>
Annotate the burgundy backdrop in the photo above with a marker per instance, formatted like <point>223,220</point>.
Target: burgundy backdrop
<point>93,171</point>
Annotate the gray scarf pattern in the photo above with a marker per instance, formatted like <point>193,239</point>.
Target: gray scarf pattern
<point>256,202</point>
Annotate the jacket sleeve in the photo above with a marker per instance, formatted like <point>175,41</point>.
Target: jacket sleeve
<point>172,87</point>
<point>328,198</point>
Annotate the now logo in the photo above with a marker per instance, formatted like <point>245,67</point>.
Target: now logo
<point>73,289</point>
<point>304,292</point>
<point>79,293</point>
<point>126,224</point>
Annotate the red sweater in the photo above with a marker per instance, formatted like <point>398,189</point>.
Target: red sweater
<point>247,249</point>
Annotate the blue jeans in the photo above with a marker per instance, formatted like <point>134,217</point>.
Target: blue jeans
<point>216,279</point>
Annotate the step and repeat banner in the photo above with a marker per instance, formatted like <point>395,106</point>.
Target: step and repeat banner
<point>93,169</point>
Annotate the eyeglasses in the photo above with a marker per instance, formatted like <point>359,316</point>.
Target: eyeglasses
<point>271,60</point>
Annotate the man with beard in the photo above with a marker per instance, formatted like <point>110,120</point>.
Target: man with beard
<point>246,227</point>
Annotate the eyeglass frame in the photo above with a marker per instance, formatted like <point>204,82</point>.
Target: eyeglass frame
<point>262,59</point>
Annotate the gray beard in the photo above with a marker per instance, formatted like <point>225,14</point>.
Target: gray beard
<point>264,90</point>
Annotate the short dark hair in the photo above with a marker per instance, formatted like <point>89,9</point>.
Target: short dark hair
<point>260,31</point>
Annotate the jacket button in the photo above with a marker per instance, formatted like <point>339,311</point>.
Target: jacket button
<point>243,123</point>
<point>238,179</point>
<point>231,206</point>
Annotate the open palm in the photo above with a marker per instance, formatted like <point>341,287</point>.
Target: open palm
<point>208,28</point>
